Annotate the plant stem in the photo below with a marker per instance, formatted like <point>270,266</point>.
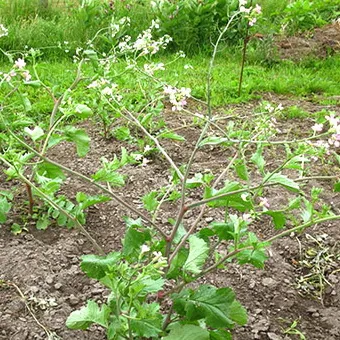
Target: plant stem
<point>235,252</point>
<point>30,198</point>
<point>89,180</point>
<point>57,207</point>
<point>245,43</point>
<point>214,198</point>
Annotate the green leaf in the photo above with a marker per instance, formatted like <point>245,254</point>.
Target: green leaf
<point>195,181</point>
<point>148,322</point>
<point>187,332</point>
<point>83,111</point>
<point>151,285</point>
<point>337,187</point>
<point>220,334</point>
<point>104,175</point>
<point>43,223</point>
<point>198,253</point>
<point>224,230</point>
<point>16,229</point>
<point>283,180</point>
<point>256,257</point>
<point>217,307</point>
<point>33,83</point>
<point>258,159</point>
<point>80,138</point>
<point>50,171</point>
<point>87,201</point>
<point>177,263</point>
<point>172,135</point>
<point>133,241</point>
<point>34,134</point>
<point>150,201</point>
<point>213,141</point>
<point>85,317</point>
<point>96,266</point>
<point>279,218</point>
<point>241,169</point>
<point>5,207</point>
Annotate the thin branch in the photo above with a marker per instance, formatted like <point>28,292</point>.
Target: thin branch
<point>214,198</point>
<point>89,180</point>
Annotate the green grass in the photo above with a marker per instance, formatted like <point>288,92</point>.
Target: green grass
<point>309,78</point>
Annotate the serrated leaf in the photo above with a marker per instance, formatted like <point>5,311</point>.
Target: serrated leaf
<point>133,241</point>
<point>195,181</point>
<point>224,230</point>
<point>96,266</point>
<point>187,332</point>
<point>217,307</point>
<point>177,263</point>
<point>150,201</point>
<point>80,138</point>
<point>151,285</point>
<point>35,133</point>
<point>284,181</point>
<point>87,201</point>
<point>198,253</point>
<point>104,175</point>
<point>86,316</point>
<point>256,257</point>
<point>148,322</point>
<point>172,135</point>
<point>43,223</point>
<point>50,171</point>
<point>213,141</point>
<point>258,159</point>
<point>279,218</point>
<point>241,169</point>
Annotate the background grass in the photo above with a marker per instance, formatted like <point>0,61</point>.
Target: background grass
<point>192,24</point>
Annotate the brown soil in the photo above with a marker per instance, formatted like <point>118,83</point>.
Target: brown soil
<point>45,264</point>
<point>320,42</point>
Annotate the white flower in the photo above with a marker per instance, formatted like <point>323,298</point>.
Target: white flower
<point>3,31</point>
<point>138,157</point>
<point>26,75</point>
<point>279,107</point>
<point>317,127</point>
<point>252,22</point>
<point>257,9</point>
<point>145,161</point>
<point>243,2</point>
<point>144,249</point>
<point>247,218</point>
<point>264,202</point>
<point>187,66</point>
<point>185,91</point>
<point>20,64</point>
<point>147,148</point>
<point>245,10</point>
<point>107,91</point>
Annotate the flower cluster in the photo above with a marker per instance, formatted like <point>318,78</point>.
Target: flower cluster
<point>145,44</point>
<point>150,69</point>
<point>3,31</point>
<point>334,130</point>
<point>17,69</point>
<point>177,97</point>
<point>251,12</point>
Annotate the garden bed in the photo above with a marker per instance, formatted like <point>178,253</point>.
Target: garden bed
<point>44,265</point>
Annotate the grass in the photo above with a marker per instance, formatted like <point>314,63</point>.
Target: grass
<point>308,78</point>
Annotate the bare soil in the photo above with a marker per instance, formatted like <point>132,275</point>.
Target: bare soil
<point>320,42</point>
<point>44,265</point>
